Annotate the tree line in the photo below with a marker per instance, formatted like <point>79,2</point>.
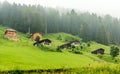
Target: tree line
<point>36,18</point>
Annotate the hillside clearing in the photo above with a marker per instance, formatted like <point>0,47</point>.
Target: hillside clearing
<point>23,55</point>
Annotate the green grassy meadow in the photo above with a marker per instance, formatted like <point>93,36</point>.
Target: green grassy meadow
<point>22,55</point>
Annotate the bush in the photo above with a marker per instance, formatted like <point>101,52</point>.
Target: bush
<point>37,39</point>
<point>81,47</point>
<point>28,35</point>
<point>114,51</point>
<point>88,44</point>
<point>58,49</point>
<point>59,37</point>
<point>78,52</point>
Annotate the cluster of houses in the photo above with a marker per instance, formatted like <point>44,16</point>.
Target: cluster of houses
<point>12,35</point>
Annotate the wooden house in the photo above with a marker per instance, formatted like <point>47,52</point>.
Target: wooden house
<point>98,51</point>
<point>11,34</point>
<point>33,36</point>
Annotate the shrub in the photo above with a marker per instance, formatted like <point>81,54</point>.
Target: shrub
<point>28,35</point>
<point>58,49</point>
<point>81,47</point>
<point>88,44</point>
<point>59,37</point>
<point>37,39</point>
<point>77,51</point>
<point>114,51</point>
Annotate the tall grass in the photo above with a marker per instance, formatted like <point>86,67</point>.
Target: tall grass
<point>90,69</point>
<point>99,69</point>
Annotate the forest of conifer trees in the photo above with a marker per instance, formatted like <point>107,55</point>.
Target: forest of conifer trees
<point>88,26</point>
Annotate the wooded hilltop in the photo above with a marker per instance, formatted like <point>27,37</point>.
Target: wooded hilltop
<point>36,18</point>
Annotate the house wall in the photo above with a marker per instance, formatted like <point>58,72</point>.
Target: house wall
<point>11,35</point>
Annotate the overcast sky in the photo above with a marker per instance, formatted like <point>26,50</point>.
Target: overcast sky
<point>111,7</point>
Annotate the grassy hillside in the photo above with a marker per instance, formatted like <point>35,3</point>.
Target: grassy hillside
<point>24,56</point>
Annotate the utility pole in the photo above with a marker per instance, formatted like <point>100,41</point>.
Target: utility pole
<point>29,29</point>
<point>46,28</point>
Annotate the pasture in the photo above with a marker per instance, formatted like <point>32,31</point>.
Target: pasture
<point>22,55</point>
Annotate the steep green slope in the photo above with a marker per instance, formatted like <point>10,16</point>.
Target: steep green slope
<point>23,55</point>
